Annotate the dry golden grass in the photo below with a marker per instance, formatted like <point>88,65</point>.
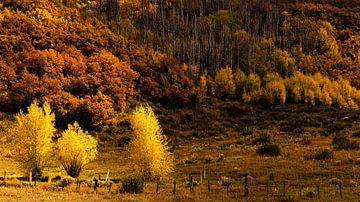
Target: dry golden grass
<point>226,153</point>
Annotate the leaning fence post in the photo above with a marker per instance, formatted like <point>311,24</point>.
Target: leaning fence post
<point>318,191</point>
<point>267,189</point>
<point>157,187</point>
<point>107,176</point>
<point>340,187</point>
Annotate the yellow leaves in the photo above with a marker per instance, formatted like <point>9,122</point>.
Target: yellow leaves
<point>224,82</point>
<point>33,136</point>
<point>75,149</point>
<point>251,88</point>
<point>45,17</point>
<point>148,150</point>
<point>283,62</point>
<point>317,88</point>
<point>274,89</point>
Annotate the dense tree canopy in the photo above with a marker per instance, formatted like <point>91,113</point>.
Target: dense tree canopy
<point>89,58</point>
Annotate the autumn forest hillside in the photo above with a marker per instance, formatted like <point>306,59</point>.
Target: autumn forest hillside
<point>260,89</point>
<point>93,59</point>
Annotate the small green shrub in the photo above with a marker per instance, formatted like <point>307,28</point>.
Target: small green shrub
<point>269,150</point>
<point>336,126</point>
<point>132,185</point>
<point>323,154</point>
<point>342,142</point>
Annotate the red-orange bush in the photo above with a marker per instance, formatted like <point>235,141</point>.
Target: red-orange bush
<point>86,89</point>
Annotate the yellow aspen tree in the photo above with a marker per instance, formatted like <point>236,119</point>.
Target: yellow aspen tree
<point>148,151</point>
<point>224,82</point>
<point>75,149</point>
<point>33,134</point>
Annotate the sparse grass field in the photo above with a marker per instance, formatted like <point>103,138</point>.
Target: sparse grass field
<point>223,139</point>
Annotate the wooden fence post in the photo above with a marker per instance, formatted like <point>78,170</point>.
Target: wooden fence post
<point>174,190</point>
<point>267,189</point>
<point>227,189</point>
<point>209,186</point>
<point>191,184</point>
<point>110,187</point>
<point>157,187</point>
<point>201,177</point>
<point>340,187</point>
<point>246,186</point>
<point>318,191</point>
<point>204,172</point>
<point>284,187</point>
<point>96,183</point>
<point>107,176</point>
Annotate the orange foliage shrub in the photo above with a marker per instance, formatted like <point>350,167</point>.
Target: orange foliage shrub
<point>79,88</point>
<point>162,79</point>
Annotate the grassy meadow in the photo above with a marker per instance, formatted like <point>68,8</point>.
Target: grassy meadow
<point>220,138</point>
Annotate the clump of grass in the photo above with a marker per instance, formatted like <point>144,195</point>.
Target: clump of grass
<point>342,142</point>
<point>247,132</point>
<point>306,141</point>
<point>269,150</point>
<point>310,192</point>
<point>262,139</point>
<point>321,154</point>
<point>132,185</point>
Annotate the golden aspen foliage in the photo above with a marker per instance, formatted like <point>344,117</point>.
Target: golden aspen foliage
<point>284,63</point>
<point>224,82</point>
<point>319,88</point>
<point>33,138</point>
<point>239,78</point>
<point>294,88</point>
<point>251,88</point>
<point>274,89</point>
<point>328,92</point>
<point>303,88</point>
<point>148,152</point>
<point>311,90</point>
<point>350,95</point>
<point>75,149</point>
